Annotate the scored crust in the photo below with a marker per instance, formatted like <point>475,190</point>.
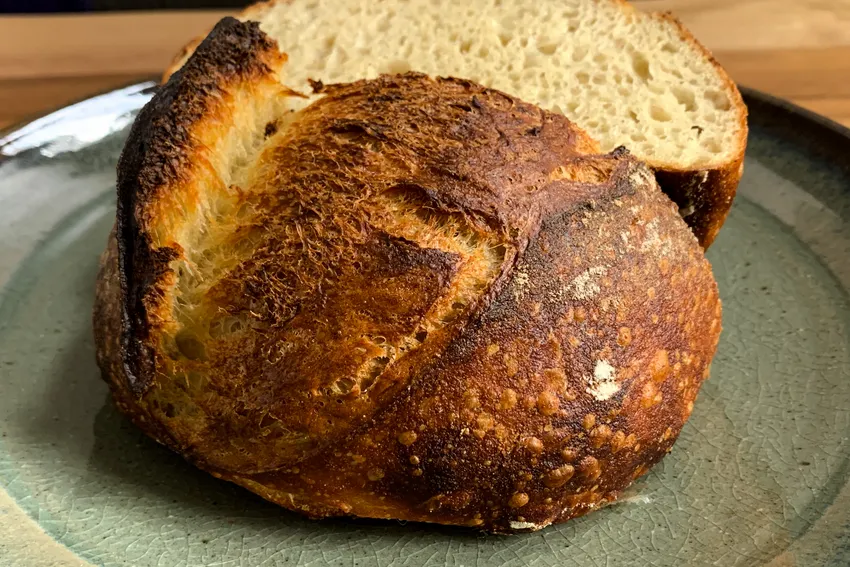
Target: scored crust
<point>449,308</point>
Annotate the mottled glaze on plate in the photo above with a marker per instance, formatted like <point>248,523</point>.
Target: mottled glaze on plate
<point>758,477</point>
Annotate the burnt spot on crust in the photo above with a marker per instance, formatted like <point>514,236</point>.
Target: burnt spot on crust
<point>270,129</point>
<point>316,85</point>
<point>416,298</point>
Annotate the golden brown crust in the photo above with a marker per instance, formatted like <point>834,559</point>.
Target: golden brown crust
<point>449,309</point>
<point>108,333</point>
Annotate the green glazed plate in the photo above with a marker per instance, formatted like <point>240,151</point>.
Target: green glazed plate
<point>758,477</point>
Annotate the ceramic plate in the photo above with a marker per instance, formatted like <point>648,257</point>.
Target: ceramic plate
<point>759,475</point>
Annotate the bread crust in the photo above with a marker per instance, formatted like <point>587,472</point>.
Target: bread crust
<point>566,374</point>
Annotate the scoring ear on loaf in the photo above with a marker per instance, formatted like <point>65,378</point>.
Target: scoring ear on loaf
<point>185,153</point>
<point>415,298</point>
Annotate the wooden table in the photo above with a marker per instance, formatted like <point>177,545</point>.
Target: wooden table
<point>795,49</point>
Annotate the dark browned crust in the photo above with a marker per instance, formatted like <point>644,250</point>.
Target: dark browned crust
<point>253,12</point>
<point>568,376</point>
<point>704,197</point>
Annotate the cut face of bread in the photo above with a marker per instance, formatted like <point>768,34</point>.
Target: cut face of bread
<point>628,78</point>
<point>414,298</point>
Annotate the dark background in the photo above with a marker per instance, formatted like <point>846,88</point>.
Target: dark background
<point>42,6</point>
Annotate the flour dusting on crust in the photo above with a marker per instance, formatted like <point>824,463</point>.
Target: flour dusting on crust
<point>603,384</point>
<point>585,285</point>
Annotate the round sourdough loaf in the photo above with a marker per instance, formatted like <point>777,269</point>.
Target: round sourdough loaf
<point>415,298</point>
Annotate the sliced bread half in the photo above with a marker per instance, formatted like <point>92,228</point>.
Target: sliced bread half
<point>629,78</point>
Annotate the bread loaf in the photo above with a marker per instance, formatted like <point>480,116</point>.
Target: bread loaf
<point>628,78</point>
<point>414,298</point>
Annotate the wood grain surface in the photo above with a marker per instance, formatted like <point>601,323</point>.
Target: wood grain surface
<point>795,49</point>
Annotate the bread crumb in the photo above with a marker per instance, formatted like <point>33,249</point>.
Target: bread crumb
<point>520,285</point>
<point>524,526</point>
